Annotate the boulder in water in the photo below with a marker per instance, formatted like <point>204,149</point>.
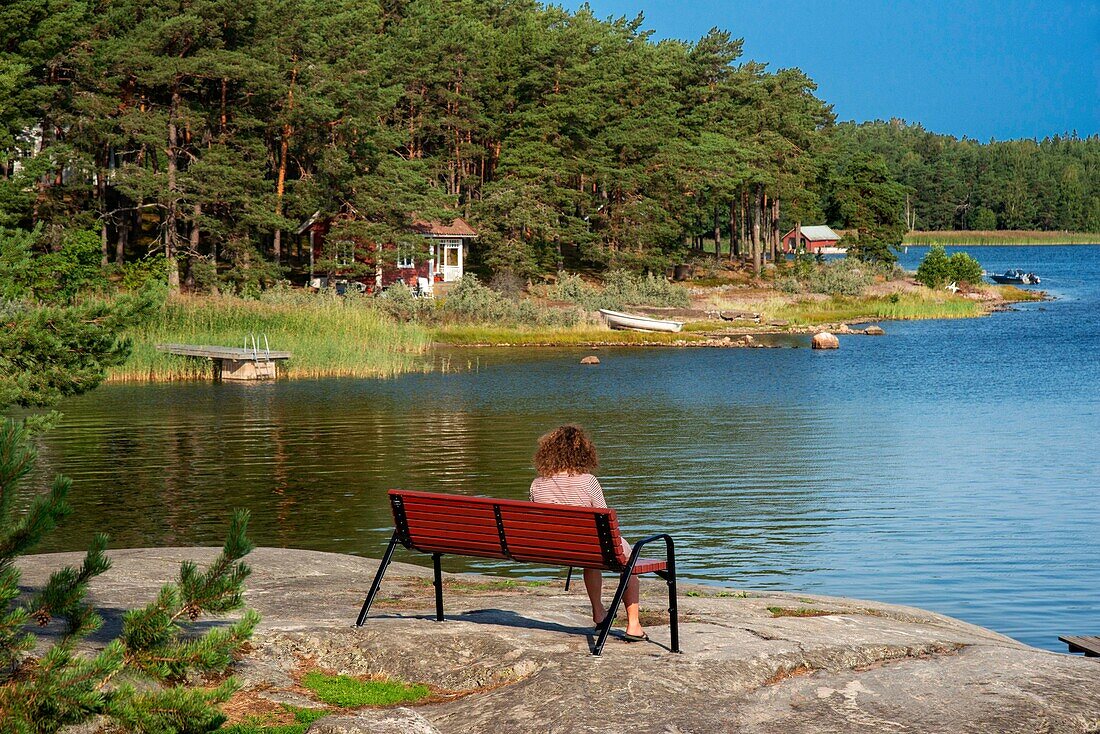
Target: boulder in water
<point>591,359</point>
<point>874,330</point>
<point>825,340</point>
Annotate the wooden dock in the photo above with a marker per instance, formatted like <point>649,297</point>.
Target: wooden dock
<point>1088,644</point>
<point>232,363</point>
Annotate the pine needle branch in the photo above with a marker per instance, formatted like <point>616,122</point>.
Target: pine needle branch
<point>64,593</point>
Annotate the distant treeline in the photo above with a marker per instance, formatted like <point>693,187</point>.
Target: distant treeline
<point>206,131</point>
<point>953,184</point>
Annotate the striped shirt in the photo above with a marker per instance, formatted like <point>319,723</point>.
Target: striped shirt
<point>572,489</point>
<point>568,489</point>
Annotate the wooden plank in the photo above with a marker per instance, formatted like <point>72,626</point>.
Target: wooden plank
<point>215,352</point>
<point>1088,644</point>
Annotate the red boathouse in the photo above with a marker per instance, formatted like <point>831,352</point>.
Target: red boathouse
<point>815,238</point>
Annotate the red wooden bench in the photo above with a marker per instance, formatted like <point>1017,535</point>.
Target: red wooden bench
<point>526,532</point>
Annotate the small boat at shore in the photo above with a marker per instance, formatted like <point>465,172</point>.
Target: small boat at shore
<point>1017,276</point>
<point>619,320</point>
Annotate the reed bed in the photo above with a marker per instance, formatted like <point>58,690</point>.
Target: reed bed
<point>328,337</point>
<point>977,238</point>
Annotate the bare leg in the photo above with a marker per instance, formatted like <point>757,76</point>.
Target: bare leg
<point>593,583</point>
<point>630,598</point>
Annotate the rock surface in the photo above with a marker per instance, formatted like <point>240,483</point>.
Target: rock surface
<point>514,657</point>
<point>825,340</point>
<point>590,359</point>
<point>874,331</point>
<point>395,721</point>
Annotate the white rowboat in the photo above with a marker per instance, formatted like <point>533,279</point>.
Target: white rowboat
<point>619,320</point>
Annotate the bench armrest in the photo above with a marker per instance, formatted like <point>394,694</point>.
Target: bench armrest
<point>670,550</point>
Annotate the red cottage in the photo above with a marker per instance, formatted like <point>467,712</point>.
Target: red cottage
<point>447,251</point>
<point>819,238</point>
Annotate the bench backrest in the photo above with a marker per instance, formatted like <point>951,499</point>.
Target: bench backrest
<point>533,532</point>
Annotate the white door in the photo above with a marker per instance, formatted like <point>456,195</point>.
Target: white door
<point>451,259</point>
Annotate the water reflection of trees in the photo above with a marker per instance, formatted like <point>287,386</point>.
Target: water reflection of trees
<point>313,461</point>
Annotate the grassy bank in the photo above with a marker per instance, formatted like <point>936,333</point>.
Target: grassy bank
<point>898,307</point>
<point>811,311</point>
<point>328,336</point>
<point>1001,237</point>
<point>331,336</point>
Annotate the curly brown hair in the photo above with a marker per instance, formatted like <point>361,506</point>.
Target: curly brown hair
<point>565,450</point>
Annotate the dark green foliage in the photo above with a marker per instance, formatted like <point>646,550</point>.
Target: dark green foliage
<point>962,268</point>
<point>48,352</point>
<point>1052,184</point>
<point>65,687</point>
<point>206,132</point>
<point>70,265</point>
<point>18,268</point>
<point>209,131</point>
<point>937,269</point>
<point>864,198</point>
<point>139,681</point>
<point>934,269</point>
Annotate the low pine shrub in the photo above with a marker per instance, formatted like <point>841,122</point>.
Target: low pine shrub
<point>839,278</point>
<point>472,302</point>
<point>620,288</point>
<point>934,268</point>
<point>937,269</point>
<point>964,269</point>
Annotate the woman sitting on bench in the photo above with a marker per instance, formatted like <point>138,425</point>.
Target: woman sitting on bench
<point>564,461</point>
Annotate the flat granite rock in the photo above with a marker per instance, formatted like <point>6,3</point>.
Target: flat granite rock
<point>515,657</point>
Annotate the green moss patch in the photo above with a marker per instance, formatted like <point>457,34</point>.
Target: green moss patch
<point>800,612</point>
<point>348,692</point>
<point>720,594</point>
<point>262,725</point>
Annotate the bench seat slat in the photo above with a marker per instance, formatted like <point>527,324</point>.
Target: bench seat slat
<point>423,532</point>
<point>516,523</point>
<point>453,539</point>
<point>460,550</point>
<point>512,528</point>
<point>480,515</point>
<point>451,503</point>
<point>477,524</point>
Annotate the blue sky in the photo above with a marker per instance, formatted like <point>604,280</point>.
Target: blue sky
<point>985,70</point>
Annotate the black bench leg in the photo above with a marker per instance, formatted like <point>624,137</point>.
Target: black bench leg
<point>673,614</point>
<point>605,629</point>
<point>438,586</point>
<point>568,578</point>
<point>377,581</point>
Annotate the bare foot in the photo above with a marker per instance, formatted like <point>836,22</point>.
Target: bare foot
<point>598,615</point>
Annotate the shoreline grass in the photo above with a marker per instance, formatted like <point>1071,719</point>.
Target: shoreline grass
<point>353,337</point>
<point>979,238</point>
<point>812,310</point>
<point>328,337</point>
<point>895,307</point>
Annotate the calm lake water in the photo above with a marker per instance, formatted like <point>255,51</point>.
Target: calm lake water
<point>951,465</point>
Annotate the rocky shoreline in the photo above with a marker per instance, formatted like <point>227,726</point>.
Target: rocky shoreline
<point>744,327</point>
<point>513,657</point>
